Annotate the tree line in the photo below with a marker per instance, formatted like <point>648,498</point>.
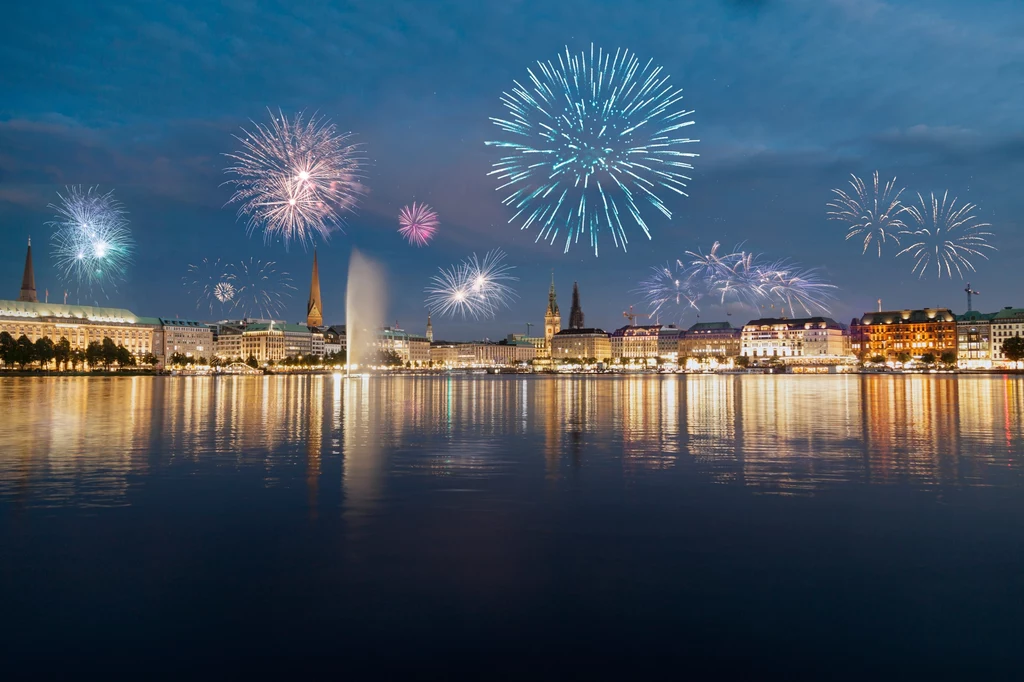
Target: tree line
<point>23,353</point>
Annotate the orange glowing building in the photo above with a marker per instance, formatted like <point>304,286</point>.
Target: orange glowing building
<point>914,332</point>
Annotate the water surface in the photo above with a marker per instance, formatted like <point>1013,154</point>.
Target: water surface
<point>511,527</point>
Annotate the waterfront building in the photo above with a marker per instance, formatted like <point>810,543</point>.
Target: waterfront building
<point>188,337</point>
<point>552,318</point>
<point>504,353</point>
<point>580,344</point>
<point>914,332</point>
<point>710,340</point>
<point>334,342</point>
<point>974,340</point>
<point>819,338</point>
<point>1006,324</point>
<point>444,354</point>
<point>635,342</point>
<point>314,307</point>
<point>263,341</point>
<point>409,347</point>
<point>668,343</point>
<point>81,325</point>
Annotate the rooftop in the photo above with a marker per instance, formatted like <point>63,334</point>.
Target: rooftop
<point>710,326</point>
<point>585,331</point>
<point>793,323</point>
<point>1008,313</point>
<point>923,315</point>
<point>59,310</point>
<point>975,316</point>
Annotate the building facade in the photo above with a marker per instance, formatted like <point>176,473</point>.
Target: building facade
<point>191,339</point>
<point>581,344</point>
<point>710,340</point>
<point>635,343</point>
<point>819,338</point>
<point>668,343</point>
<point>913,332</point>
<point>81,325</point>
<point>1006,324</point>
<point>974,340</point>
<point>411,348</point>
<point>263,341</point>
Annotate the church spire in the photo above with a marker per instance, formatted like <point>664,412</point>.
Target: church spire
<point>314,308</point>
<point>430,329</point>
<point>576,312</point>
<point>552,303</point>
<point>28,279</point>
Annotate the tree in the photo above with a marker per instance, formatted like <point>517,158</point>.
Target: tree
<point>150,359</point>
<point>125,358</point>
<point>1013,349</point>
<point>7,346</point>
<point>108,352</point>
<point>44,351</point>
<point>948,357</point>
<point>62,352</point>
<point>77,357</point>
<point>203,361</point>
<point>24,351</point>
<point>743,361</point>
<point>903,358</point>
<point>878,359</point>
<point>928,359</point>
<point>94,353</point>
<point>251,361</point>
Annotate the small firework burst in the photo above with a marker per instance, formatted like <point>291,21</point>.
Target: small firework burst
<point>417,223</point>
<point>92,245</point>
<point>946,237</point>
<point>871,214</point>
<point>477,287</point>
<point>295,178</point>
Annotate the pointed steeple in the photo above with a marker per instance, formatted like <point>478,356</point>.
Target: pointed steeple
<point>430,329</point>
<point>28,279</point>
<point>552,303</point>
<point>314,308</point>
<point>576,312</point>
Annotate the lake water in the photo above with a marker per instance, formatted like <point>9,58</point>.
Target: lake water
<point>521,527</point>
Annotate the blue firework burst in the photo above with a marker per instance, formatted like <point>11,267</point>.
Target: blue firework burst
<point>593,139</point>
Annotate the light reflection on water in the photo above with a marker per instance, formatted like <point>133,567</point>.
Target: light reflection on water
<point>96,442</point>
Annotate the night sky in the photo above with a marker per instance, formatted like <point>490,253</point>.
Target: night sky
<point>790,98</point>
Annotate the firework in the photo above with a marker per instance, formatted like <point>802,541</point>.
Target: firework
<point>870,214</point>
<point>211,282</point>
<point>259,289</point>
<point>417,223</point>
<point>295,178</point>
<point>946,236</point>
<point>592,140</point>
<point>669,287</point>
<point>737,277</point>
<point>475,288</point>
<point>91,244</point>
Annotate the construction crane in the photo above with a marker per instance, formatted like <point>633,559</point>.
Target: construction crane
<point>528,325</point>
<point>631,316</point>
<point>970,292</point>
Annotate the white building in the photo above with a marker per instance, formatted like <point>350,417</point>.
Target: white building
<point>820,338</point>
<point>1006,324</point>
<point>188,337</point>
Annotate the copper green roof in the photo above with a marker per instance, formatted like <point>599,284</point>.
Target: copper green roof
<point>975,316</point>
<point>707,326</point>
<point>1009,313</point>
<point>59,310</point>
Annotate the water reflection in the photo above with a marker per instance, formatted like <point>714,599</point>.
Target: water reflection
<point>103,441</point>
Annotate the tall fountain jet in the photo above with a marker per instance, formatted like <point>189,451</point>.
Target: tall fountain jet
<point>365,300</point>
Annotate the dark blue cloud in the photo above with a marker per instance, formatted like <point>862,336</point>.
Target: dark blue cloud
<point>791,96</point>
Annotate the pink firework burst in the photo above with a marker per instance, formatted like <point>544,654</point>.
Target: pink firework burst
<point>417,223</point>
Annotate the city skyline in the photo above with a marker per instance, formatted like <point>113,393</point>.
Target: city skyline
<point>933,111</point>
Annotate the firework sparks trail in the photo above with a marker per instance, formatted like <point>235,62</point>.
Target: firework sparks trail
<point>91,244</point>
<point>871,214</point>
<point>946,236</point>
<point>477,287</point>
<point>417,223</point>
<point>592,140</point>
<point>211,282</point>
<point>260,290</point>
<point>738,277</point>
<point>295,178</point>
